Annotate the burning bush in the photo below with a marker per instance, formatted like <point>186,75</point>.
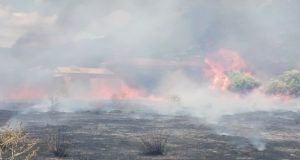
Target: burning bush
<point>287,84</point>
<point>226,61</point>
<point>241,82</point>
<point>15,143</point>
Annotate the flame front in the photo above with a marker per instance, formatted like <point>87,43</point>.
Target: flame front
<point>106,89</point>
<point>220,63</point>
<point>26,93</point>
<point>118,89</point>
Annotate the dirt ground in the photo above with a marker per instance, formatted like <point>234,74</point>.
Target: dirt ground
<point>115,134</point>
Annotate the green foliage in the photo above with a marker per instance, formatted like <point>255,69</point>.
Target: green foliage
<point>241,82</point>
<point>286,84</point>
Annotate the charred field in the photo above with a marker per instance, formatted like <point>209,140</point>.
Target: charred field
<point>116,133</point>
<point>150,80</point>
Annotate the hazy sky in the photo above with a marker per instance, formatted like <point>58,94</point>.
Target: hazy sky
<point>39,35</point>
<point>83,32</point>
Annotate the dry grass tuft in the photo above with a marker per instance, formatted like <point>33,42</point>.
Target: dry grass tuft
<point>154,143</point>
<point>58,142</point>
<point>16,143</point>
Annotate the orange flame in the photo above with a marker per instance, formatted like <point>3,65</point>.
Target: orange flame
<point>282,97</point>
<point>117,89</point>
<point>106,89</point>
<point>26,93</point>
<point>100,89</point>
<point>220,63</point>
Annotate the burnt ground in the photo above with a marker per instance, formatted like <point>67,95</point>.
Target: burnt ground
<point>115,134</point>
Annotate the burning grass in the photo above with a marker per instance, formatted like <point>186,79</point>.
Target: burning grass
<point>219,64</point>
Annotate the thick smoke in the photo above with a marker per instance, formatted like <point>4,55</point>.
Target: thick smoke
<point>143,42</point>
<point>86,32</point>
<point>156,49</point>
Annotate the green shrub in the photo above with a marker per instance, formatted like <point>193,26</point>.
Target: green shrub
<point>241,82</point>
<point>286,84</point>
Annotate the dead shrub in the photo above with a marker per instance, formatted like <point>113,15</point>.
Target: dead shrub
<point>83,156</point>
<point>58,142</point>
<point>17,144</point>
<point>154,143</point>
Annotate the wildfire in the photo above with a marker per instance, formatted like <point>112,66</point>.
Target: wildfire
<point>97,83</point>
<point>282,97</point>
<point>102,89</point>
<point>26,93</point>
<point>220,63</point>
<point>108,88</point>
<point>117,89</point>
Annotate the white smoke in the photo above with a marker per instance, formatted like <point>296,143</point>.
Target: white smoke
<point>45,34</point>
